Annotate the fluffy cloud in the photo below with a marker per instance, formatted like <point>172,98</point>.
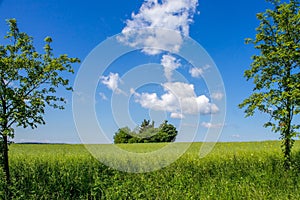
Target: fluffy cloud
<point>179,99</point>
<point>177,116</point>
<point>112,82</point>
<point>170,63</point>
<point>151,26</point>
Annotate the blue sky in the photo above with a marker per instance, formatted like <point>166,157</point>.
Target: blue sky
<point>78,27</point>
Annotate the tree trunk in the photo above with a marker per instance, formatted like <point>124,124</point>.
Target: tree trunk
<point>287,151</point>
<point>288,137</point>
<point>287,130</point>
<point>5,159</point>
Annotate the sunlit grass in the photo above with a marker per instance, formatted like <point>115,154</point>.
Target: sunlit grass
<point>251,170</point>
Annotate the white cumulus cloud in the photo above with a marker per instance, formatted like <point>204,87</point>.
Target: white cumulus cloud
<point>112,82</point>
<point>170,63</point>
<point>149,27</point>
<point>177,116</point>
<point>179,99</point>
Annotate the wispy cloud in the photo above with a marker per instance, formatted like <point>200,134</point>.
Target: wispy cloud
<point>82,97</point>
<point>236,136</point>
<point>211,125</point>
<point>103,96</point>
<point>197,72</point>
<point>217,95</point>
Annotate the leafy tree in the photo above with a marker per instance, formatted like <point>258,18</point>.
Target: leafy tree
<point>167,132</point>
<point>28,82</point>
<point>147,133</point>
<point>276,72</point>
<point>134,140</point>
<point>145,125</point>
<point>123,135</point>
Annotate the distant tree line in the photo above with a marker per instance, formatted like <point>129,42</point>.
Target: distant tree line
<point>147,133</point>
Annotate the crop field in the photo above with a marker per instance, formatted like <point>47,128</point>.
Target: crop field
<point>250,170</point>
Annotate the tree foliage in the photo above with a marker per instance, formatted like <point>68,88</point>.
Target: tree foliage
<point>123,135</point>
<point>276,71</point>
<point>146,125</point>
<point>147,133</point>
<point>28,83</point>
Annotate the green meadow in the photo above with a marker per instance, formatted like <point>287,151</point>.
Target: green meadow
<point>247,170</point>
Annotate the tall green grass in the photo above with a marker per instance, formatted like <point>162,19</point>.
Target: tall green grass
<point>231,171</point>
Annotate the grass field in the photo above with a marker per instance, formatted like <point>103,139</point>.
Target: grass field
<point>251,170</point>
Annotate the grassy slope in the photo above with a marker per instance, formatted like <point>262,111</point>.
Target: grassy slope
<point>250,170</point>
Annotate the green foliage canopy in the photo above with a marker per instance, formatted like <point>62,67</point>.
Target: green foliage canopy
<point>276,71</point>
<point>28,83</point>
<point>29,80</point>
<point>147,133</point>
